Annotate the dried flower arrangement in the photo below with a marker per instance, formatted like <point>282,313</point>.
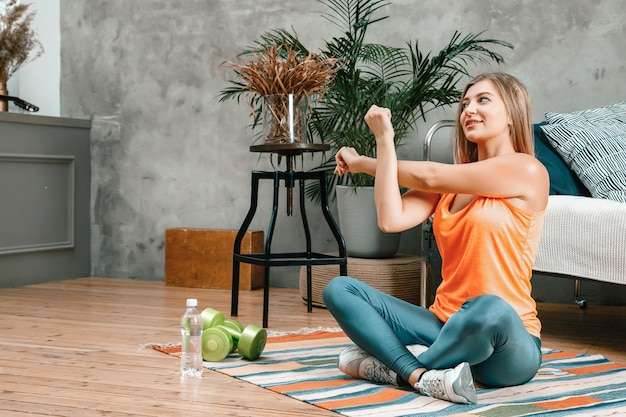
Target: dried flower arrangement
<point>280,78</point>
<point>18,41</point>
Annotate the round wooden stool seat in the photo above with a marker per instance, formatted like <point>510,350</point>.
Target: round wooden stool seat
<point>398,276</point>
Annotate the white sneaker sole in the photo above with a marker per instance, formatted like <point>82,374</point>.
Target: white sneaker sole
<point>463,385</point>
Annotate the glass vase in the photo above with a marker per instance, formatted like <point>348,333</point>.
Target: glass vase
<point>285,118</point>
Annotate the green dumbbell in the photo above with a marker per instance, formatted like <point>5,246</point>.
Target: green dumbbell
<point>211,318</point>
<point>216,344</point>
<point>236,326</point>
<point>233,325</point>
<point>250,341</point>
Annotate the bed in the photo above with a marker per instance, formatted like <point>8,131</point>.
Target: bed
<point>584,237</point>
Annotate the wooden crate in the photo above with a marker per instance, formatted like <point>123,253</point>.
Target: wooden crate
<point>203,258</point>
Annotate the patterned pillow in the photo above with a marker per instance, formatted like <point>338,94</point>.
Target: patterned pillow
<point>615,111</point>
<point>596,152</point>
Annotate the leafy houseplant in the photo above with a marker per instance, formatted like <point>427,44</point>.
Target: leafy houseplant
<point>18,41</point>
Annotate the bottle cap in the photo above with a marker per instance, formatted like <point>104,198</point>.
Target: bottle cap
<point>192,302</point>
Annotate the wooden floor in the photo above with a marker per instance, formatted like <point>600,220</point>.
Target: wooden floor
<point>74,348</point>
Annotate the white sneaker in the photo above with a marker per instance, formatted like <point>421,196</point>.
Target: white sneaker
<point>454,385</point>
<point>357,363</point>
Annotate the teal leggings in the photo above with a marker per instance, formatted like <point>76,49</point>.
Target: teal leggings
<point>486,332</point>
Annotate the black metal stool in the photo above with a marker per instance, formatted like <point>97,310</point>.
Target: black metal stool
<point>267,258</point>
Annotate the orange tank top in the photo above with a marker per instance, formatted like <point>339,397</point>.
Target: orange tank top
<point>488,247</point>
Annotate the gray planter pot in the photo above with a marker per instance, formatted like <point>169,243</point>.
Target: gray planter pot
<point>359,227</point>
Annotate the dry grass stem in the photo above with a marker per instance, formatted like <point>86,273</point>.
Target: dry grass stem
<point>279,70</point>
<point>18,42</point>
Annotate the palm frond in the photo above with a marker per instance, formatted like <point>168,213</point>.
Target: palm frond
<point>384,62</point>
<point>278,37</point>
<point>352,14</point>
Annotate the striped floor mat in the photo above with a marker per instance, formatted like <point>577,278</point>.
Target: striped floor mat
<point>303,366</point>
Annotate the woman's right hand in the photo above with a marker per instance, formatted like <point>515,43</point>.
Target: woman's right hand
<point>345,159</point>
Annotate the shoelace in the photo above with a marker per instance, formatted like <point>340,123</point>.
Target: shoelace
<point>378,373</point>
<point>433,386</point>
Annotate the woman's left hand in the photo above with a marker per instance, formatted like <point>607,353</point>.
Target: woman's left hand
<point>379,121</point>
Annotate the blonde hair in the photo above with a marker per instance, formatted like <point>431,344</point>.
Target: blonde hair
<point>516,100</point>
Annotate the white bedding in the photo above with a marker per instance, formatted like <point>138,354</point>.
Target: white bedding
<point>584,237</point>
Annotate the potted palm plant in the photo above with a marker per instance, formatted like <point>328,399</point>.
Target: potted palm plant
<point>409,82</point>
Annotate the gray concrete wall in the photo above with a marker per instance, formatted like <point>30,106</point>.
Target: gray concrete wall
<point>167,154</point>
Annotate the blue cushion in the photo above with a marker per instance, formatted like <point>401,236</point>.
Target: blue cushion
<point>562,179</point>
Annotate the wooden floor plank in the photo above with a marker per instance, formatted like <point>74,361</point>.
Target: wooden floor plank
<point>78,348</point>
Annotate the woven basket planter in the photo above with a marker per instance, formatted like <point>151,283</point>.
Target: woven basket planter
<point>398,276</point>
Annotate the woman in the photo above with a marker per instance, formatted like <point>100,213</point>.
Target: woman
<point>488,213</point>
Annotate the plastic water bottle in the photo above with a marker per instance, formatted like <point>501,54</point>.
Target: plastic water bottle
<point>191,332</point>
